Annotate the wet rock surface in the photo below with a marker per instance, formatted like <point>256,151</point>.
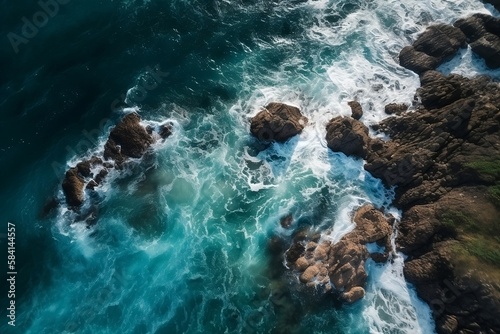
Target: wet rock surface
<point>339,267</point>
<point>347,135</point>
<point>128,139</point>
<point>277,122</point>
<point>483,36</point>
<point>443,159</point>
<point>440,42</point>
<point>356,109</point>
<point>435,45</point>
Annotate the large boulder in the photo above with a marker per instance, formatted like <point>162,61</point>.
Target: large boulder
<point>347,135</point>
<point>434,46</point>
<point>395,108</point>
<point>353,294</point>
<point>73,185</point>
<point>128,139</point>
<point>277,122</point>
<point>356,109</point>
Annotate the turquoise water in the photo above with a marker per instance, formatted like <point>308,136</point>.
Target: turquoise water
<point>187,239</point>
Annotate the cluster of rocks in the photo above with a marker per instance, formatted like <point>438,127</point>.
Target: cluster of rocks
<point>340,267</point>
<point>277,122</point>
<point>430,159</point>
<point>440,42</point>
<point>429,149</point>
<point>128,139</point>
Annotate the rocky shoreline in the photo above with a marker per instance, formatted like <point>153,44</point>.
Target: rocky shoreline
<point>444,161</point>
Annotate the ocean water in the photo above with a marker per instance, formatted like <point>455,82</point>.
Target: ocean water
<point>184,237</point>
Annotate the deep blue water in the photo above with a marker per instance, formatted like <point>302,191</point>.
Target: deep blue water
<point>182,239</point>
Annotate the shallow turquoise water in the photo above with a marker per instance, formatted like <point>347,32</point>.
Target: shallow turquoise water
<point>184,239</point>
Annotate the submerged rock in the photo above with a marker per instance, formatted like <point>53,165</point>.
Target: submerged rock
<point>277,122</point>
<point>286,221</point>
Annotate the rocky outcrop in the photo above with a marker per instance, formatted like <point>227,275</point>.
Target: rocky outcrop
<point>277,122</point>
<point>443,240</point>
<point>356,109</point>
<point>75,180</point>
<point>340,267</point>
<point>128,139</point>
<point>395,108</point>
<point>347,135</point>
<point>440,42</point>
<point>73,185</point>
<point>443,159</point>
<point>483,35</point>
<point>435,45</point>
<point>430,149</point>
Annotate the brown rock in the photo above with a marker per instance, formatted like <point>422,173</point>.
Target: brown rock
<point>91,185</point>
<point>342,264</point>
<point>395,108</point>
<point>309,274</point>
<point>416,61</point>
<point>321,252</point>
<point>379,257</point>
<point>348,136</point>
<point>101,175</point>
<point>435,45</point>
<point>483,34</point>
<point>448,324</point>
<point>277,122</point>
<point>371,225</point>
<point>353,294</point>
<point>356,109</point>
<point>301,264</point>
<point>432,266</point>
<point>295,251</point>
<point>73,185</point>
<point>165,131</point>
<point>128,139</point>
<point>311,246</point>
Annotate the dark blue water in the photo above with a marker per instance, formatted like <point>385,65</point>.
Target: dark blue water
<point>182,241</point>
